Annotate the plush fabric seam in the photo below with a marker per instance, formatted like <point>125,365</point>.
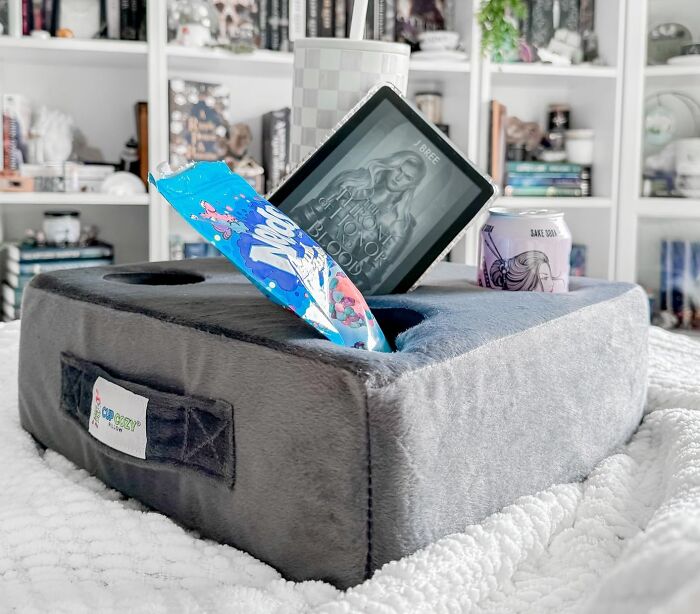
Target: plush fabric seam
<point>369,570</point>
<point>372,379</point>
<point>249,340</point>
<point>374,386</point>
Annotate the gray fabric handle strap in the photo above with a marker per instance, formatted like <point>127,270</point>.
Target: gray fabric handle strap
<point>180,429</point>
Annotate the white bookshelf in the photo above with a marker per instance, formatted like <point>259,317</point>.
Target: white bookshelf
<point>67,199</point>
<point>669,208</point>
<point>60,51</point>
<point>645,221</point>
<point>545,71</point>
<point>556,203</point>
<point>99,81</point>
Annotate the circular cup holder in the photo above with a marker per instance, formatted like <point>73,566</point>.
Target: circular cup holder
<point>164,278</point>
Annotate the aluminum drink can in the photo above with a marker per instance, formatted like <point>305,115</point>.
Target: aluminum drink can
<point>526,250</point>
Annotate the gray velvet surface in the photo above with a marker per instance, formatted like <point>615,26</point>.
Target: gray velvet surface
<point>345,459</point>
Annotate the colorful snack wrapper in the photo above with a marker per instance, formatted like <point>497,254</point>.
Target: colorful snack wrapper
<point>286,265</point>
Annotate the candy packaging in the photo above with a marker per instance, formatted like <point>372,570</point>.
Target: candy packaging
<point>287,265</point>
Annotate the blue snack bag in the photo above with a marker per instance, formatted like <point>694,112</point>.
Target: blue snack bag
<point>270,249</point>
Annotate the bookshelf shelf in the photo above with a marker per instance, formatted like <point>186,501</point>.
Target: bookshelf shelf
<point>669,208</point>
<point>217,60</point>
<point>538,71</point>
<point>670,71</point>
<point>31,50</point>
<point>423,66</point>
<point>555,203</point>
<point>63,199</point>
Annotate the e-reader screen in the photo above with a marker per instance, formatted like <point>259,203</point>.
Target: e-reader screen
<point>385,195</point>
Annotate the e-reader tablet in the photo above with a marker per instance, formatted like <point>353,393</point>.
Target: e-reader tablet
<point>386,195</point>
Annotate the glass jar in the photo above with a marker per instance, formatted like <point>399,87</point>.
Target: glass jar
<point>62,227</point>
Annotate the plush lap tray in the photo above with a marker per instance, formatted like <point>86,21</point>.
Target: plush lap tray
<point>324,461</point>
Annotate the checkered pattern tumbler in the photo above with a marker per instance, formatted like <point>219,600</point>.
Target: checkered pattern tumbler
<point>331,75</point>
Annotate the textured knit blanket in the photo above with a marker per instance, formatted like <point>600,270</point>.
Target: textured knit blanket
<point>625,540</point>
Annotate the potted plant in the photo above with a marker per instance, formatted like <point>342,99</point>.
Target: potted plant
<point>499,29</point>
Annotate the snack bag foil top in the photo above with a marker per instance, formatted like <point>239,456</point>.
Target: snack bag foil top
<point>287,265</point>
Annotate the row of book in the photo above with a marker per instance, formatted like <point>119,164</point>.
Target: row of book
<point>22,262</point>
<point>547,179</point>
<point>124,19</point>
<point>680,281</point>
<point>279,22</point>
<point>116,19</point>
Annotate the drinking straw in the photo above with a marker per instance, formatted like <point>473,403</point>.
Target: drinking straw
<point>359,16</point>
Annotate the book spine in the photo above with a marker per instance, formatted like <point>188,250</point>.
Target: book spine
<point>542,191</point>
<point>586,16</point>
<point>577,261</point>
<point>60,253</point>
<point>23,268</point>
<point>284,26</point>
<point>297,19</point>
<point>688,282</point>
<point>55,12</point>
<point>10,134</point>
<point>695,281</point>
<point>340,19</point>
<point>326,27</point>
<point>543,176</point>
<point>27,17</point>
<point>142,139</point>
<point>37,15</point>
<point>276,146</point>
<point>141,32</point>
<point>543,167</point>
<point>263,42</point>
<point>369,27</point>
<point>123,19</point>
<point>113,19</point>
<point>525,182</point>
<point>312,22</point>
<point>665,285</point>
<point>134,19</point>
<point>677,275</point>
<point>379,19</point>
<point>273,21</point>
<point>389,20</point>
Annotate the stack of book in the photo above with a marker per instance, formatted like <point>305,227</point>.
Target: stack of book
<point>547,179</point>
<point>25,261</point>
<point>680,281</point>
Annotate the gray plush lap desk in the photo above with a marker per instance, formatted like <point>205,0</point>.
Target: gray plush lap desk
<point>323,461</point>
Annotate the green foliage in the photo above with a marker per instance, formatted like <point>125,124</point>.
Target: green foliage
<point>499,32</point>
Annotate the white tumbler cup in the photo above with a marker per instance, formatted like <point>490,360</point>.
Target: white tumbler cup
<point>331,75</point>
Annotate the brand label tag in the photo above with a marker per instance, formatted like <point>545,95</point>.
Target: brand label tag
<point>118,418</point>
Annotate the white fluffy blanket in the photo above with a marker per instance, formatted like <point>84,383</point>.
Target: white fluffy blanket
<point>625,540</point>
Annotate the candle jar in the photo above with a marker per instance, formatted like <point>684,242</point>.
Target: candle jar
<point>62,227</point>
